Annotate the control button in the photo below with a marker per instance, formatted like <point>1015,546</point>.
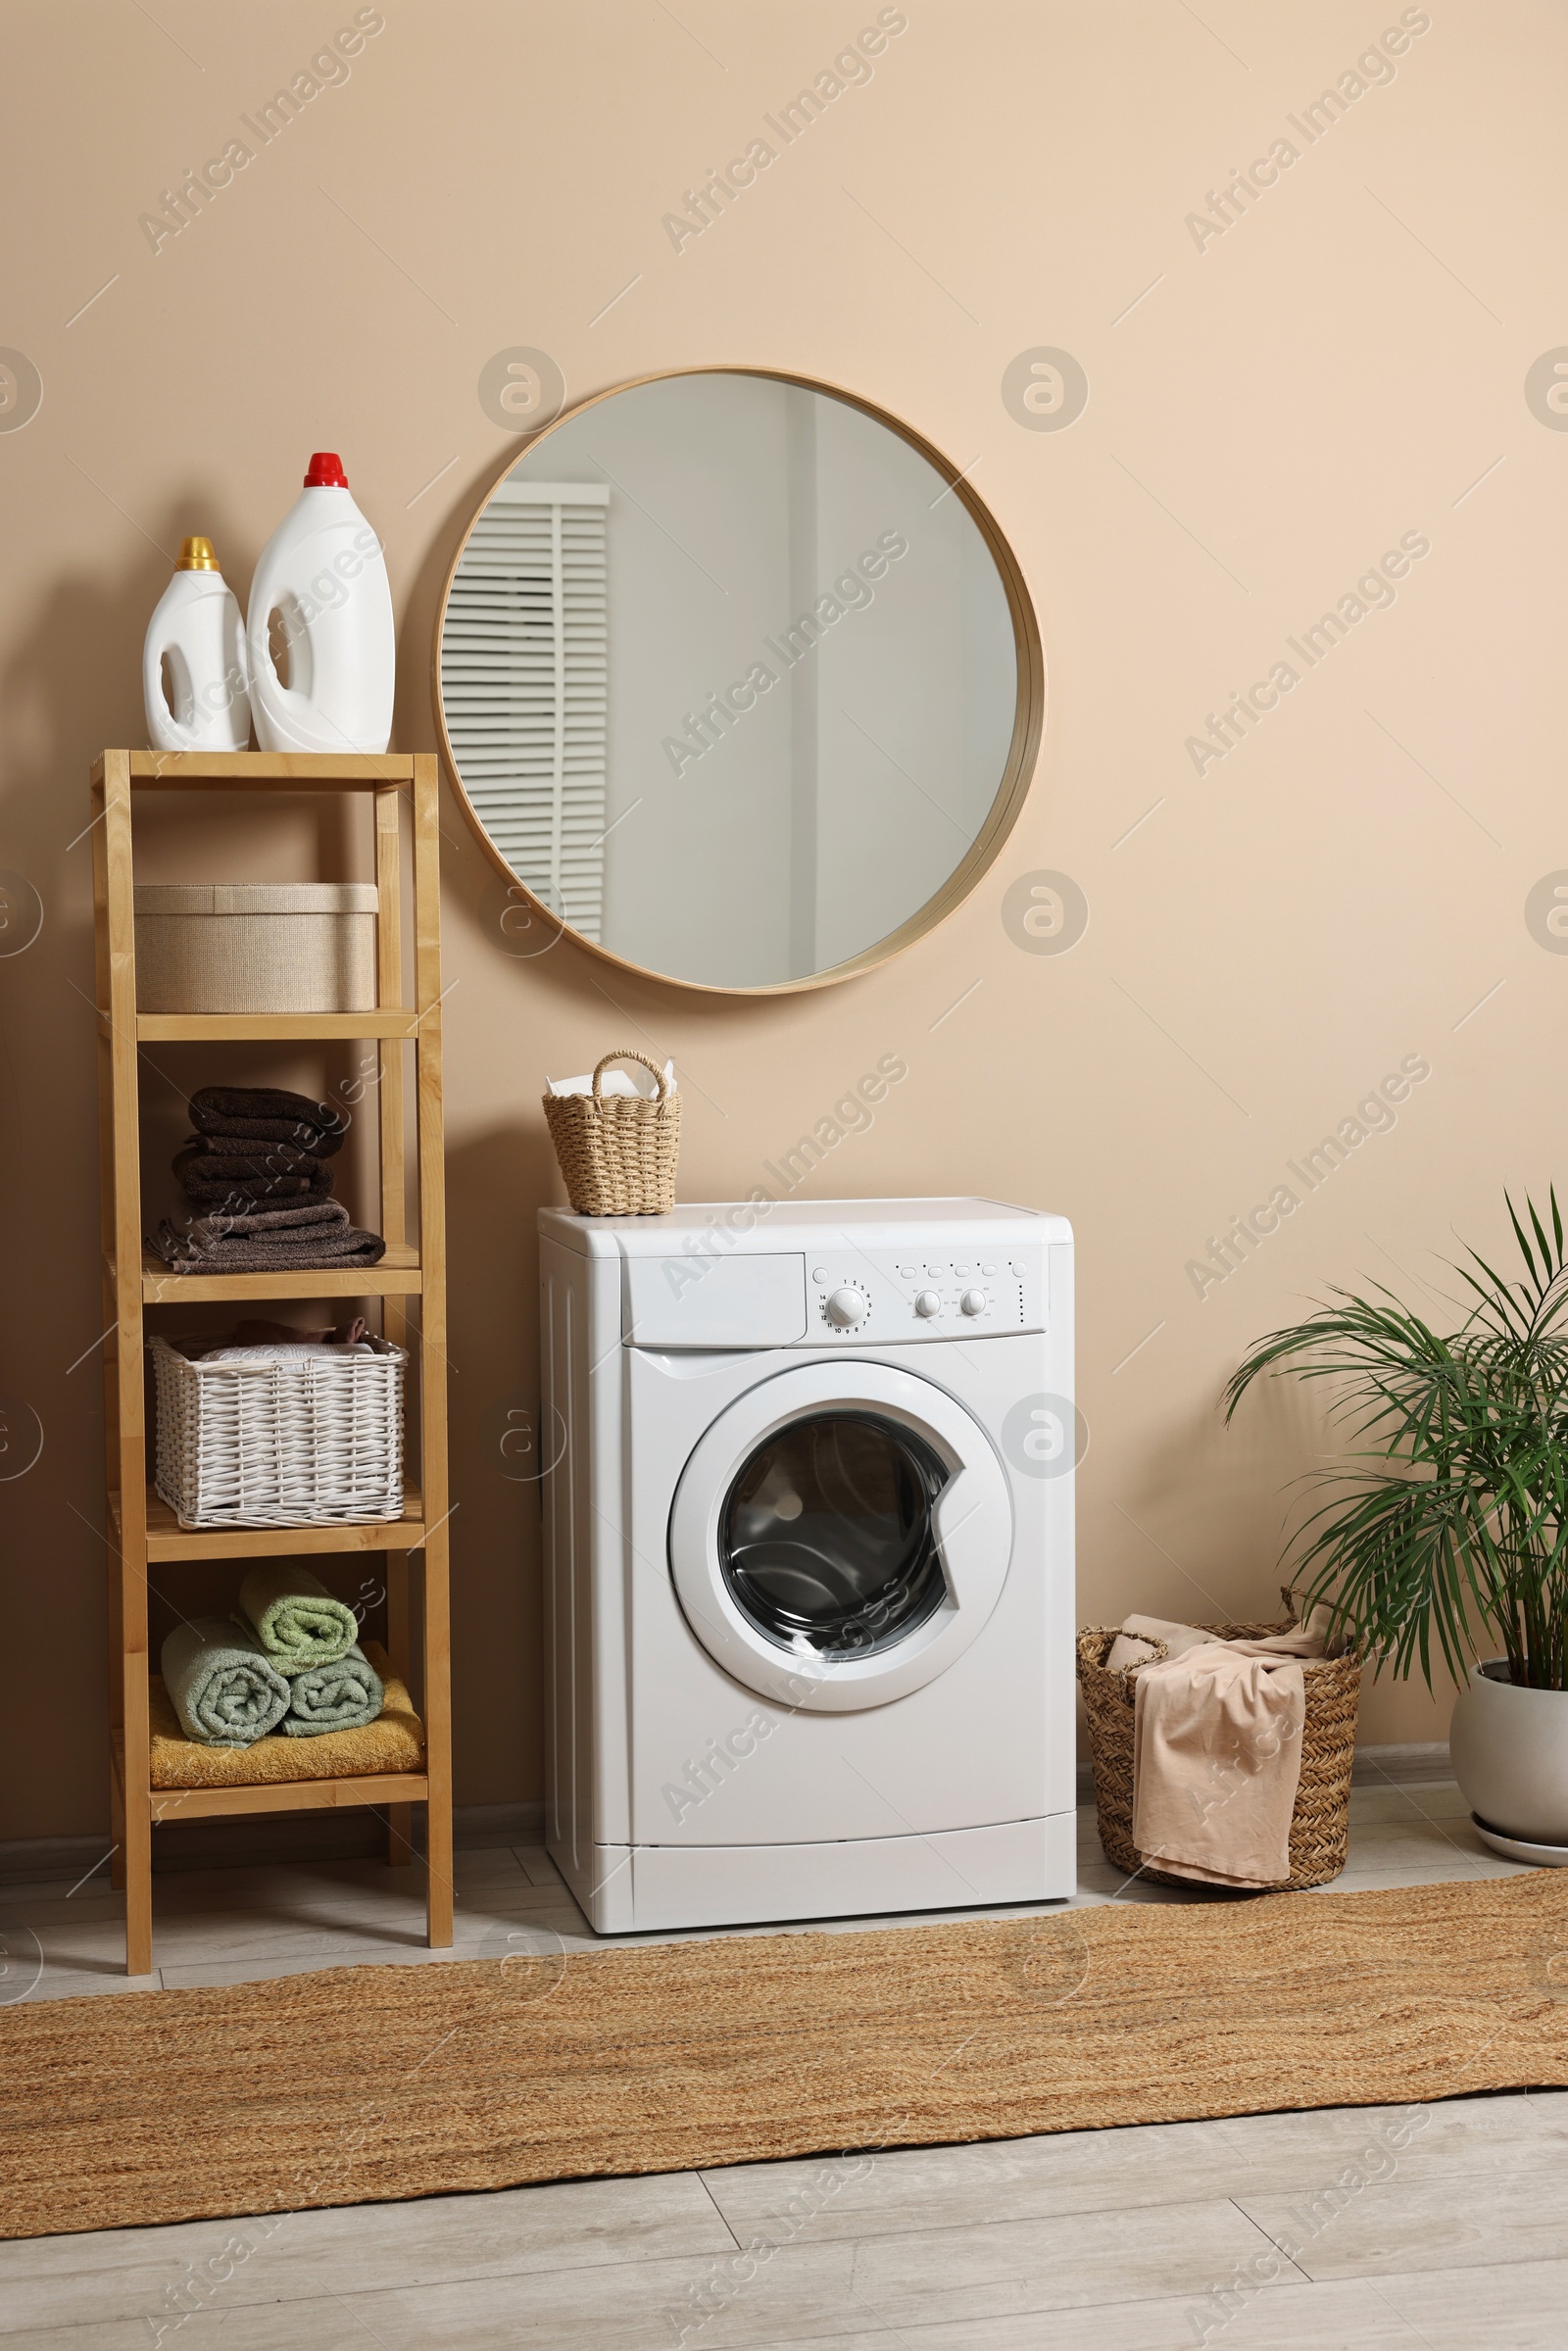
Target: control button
<point>988,1270</point>
<point>821,1276</point>
<point>928,1304</point>
<point>907,1273</point>
<point>846,1307</point>
<point>973,1302</point>
<point>962,1272</point>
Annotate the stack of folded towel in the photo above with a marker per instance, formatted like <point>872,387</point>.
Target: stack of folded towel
<point>290,1660</point>
<point>256,1172</point>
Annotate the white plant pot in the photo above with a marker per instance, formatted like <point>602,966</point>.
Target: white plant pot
<point>1509,1748</point>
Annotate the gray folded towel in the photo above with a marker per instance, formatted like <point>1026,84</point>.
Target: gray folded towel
<point>221,1684</point>
<point>344,1696</point>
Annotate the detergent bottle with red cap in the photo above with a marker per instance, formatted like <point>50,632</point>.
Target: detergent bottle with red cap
<point>193,670</point>
<point>322,646</point>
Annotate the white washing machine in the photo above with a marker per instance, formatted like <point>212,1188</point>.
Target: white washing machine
<point>808,1513</point>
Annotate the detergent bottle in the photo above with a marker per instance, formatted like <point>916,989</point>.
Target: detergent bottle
<point>194,675</point>
<point>320,595</point>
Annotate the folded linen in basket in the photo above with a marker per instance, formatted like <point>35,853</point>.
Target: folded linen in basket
<point>224,1689</point>
<point>268,1114</point>
<point>344,1696</point>
<point>297,1620</point>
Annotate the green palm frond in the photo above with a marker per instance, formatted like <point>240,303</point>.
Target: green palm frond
<point>1456,1519</point>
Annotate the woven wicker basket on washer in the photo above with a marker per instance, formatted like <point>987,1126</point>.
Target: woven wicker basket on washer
<point>618,1152</point>
<point>1320,1824</point>
<point>297,1436</point>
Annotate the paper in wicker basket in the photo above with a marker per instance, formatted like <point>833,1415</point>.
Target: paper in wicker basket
<point>618,1152</point>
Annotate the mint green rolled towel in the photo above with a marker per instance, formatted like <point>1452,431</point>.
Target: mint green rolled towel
<point>223,1690</point>
<point>296,1619</point>
<point>344,1696</point>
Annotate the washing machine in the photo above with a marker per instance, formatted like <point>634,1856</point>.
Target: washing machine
<point>807,1497</point>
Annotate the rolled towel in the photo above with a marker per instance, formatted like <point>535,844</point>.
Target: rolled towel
<point>297,1620</point>
<point>268,1114</point>
<point>223,1687</point>
<point>345,1695</point>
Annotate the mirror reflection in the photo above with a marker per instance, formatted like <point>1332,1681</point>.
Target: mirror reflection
<point>729,677</point>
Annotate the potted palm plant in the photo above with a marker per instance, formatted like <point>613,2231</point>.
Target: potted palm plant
<point>1455,1517</point>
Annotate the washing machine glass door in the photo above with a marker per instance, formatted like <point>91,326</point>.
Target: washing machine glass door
<point>841,1534</point>
<point>826,1541</point>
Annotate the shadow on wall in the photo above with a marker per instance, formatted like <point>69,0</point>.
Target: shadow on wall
<point>72,685</point>
<point>494,1182</point>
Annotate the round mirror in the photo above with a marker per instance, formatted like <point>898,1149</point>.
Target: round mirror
<point>737,679</point>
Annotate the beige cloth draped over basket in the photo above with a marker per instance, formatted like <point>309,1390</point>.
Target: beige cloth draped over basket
<point>618,1152</point>
<point>1320,1823</point>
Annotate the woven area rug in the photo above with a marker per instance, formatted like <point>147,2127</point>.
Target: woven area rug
<point>365,2084</point>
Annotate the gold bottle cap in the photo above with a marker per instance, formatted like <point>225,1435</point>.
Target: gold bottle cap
<point>196,555</point>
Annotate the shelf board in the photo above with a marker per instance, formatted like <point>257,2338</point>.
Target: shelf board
<point>268,770</point>
<point>168,1540</point>
<point>397,1275</point>
<point>233,1028</point>
<point>288,1795</point>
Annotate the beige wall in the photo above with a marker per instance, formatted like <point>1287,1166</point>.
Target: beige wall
<point>1337,369</point>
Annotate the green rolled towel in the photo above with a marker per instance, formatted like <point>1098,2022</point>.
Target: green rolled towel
<point>342,1697</point>
<point>223,1687</point>
<point>296,1619</point>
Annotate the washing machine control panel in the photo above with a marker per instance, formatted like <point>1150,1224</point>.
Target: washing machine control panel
<point>874,1293</point>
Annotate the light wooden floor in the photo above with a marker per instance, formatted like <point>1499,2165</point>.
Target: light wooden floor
<point>1444,2226</point>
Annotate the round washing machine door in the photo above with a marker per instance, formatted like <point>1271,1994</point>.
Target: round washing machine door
<point>840,1536</point>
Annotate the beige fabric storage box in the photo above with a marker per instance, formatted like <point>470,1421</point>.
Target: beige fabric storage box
<point>256,946</point>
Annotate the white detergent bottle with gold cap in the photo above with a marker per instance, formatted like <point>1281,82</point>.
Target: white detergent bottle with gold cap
<point>321,643</point>
<point>195,676</point>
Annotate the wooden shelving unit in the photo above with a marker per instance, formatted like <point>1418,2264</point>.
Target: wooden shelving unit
<point>142,1529</point>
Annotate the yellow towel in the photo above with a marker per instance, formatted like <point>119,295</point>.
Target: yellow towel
<point>394,1742</point>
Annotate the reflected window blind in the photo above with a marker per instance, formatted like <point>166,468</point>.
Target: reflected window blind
<point>523,685</point>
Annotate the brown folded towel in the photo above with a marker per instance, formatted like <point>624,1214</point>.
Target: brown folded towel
<point>202,1250</point>
<point>231,1183</point>
<point>268,1114</point>
<point>278,1224</point>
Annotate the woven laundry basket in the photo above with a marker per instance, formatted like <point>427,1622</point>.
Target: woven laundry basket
<point>256,946</point>
<point>287,1437</point>
<point>618,1152</point>
<point>1320,1824</point>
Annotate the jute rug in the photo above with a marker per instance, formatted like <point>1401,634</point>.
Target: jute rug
<point>365,2084</point>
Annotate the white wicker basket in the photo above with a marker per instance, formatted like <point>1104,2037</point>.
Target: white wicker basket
<point>281,1435</point>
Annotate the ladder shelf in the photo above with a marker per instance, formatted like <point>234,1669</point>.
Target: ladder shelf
<point>143,1530</point>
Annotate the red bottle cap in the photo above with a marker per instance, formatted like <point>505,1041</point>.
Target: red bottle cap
<point>326,473</point>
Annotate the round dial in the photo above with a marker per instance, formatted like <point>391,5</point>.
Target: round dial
<point>846,1307</point>
<point>973,1302</point>
<point>928,1304</point>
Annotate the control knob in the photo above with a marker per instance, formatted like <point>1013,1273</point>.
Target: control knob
<point>927,1303</point>
<point>846,1307</point>
<point>973,1302</point>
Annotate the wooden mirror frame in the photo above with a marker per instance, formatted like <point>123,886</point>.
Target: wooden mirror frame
<point>1029,712</point>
